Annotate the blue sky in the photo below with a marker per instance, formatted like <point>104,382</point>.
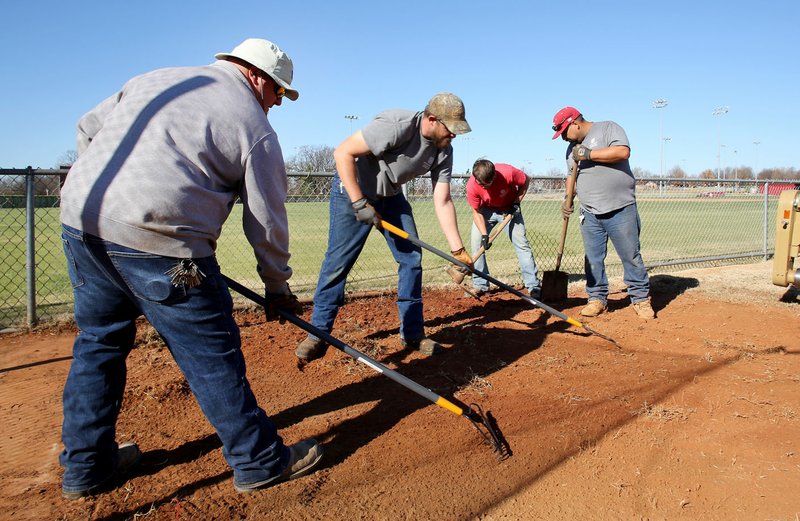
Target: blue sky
<point>514,63</point>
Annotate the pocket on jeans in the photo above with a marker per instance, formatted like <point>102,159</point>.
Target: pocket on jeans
<point>146,276</point>
<point>75,277</point>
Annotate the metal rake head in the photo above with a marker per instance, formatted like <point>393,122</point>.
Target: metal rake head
<point>486,426</point>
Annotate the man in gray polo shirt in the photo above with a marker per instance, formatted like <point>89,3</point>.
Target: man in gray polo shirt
<point>372,165</point>
<point>606,189</point>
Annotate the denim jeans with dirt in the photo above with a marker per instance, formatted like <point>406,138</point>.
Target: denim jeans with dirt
<point>622,227</point>
<point>515,231</point>
<point>346,239</point>
<point>112,286</point>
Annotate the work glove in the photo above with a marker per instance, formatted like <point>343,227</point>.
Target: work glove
<point>366,213</point>
<point>581,153</point>
<point>284,301</point>
<point>485,244</point>
<point>514,209</point>
<point>567,208</point>
<point>462,255</point>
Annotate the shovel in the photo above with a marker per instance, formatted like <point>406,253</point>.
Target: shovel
<point>483,422</point>
<point>555,283</point>
<point>458,275</point>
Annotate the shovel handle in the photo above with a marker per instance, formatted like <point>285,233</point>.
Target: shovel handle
<point>492,236</point>
<point>565,224</point>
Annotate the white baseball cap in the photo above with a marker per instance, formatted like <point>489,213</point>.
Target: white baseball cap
<point>269,58</point>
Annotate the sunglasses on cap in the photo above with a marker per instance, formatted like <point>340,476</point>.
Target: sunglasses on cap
<point>557,127</point>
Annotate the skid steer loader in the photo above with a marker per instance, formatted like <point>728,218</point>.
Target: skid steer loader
<point>787,240</point>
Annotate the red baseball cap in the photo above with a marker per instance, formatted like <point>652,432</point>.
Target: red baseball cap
<point>563,118</point>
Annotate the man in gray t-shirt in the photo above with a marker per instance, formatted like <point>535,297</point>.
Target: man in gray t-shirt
<point>372,165</point>
<point>605,187</point>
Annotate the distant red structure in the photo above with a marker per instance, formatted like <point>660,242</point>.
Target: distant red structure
<point>777,188</point>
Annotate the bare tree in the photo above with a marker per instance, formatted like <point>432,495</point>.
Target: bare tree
<point>677,173</point>
<point>66,159</point>
<point>311,158</point>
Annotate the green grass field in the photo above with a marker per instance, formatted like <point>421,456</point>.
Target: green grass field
<point>673,229</point>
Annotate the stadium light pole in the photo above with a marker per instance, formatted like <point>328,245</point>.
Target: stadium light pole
<point>664,140</point>
<point>660,103</point>
<point>755,172</point>
<point>351,118</point>
<point>719,111</point>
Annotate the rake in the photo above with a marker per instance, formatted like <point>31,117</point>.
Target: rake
<point>536,303</point>
<point>483,422</point>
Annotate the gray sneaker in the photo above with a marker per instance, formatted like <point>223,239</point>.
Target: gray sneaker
<point>128,456</point>
<point>304,456</point>
<point>426,346</point>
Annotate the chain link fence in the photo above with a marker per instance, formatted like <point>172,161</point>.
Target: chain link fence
<point>684,222</point>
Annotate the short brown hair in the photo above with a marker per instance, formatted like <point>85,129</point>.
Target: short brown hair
<point>483,171</point>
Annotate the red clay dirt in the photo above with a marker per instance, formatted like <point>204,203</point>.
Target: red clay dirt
<point>696,416</point>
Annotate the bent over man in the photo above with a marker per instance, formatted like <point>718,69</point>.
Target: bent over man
<point>372,165</point>
<point>495,191</point>
<point>160,166</point>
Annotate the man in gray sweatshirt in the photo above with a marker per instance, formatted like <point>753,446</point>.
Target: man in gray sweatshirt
<point>160,166</point>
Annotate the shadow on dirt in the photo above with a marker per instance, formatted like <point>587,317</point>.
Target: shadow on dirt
<point>792,295</point>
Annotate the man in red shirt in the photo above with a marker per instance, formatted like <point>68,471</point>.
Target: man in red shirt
<point>494,191</point>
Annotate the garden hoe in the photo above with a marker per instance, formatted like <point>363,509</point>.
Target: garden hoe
<point>484,423</point>
<point>400,233</point>
<point>458,275</point>
<point>555,283</point>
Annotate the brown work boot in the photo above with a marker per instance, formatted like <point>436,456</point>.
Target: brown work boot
<point>426,346</point>
<point>594,308</point>
<point>311,349</point>
<point>304,456</point>
<point>644,309</point>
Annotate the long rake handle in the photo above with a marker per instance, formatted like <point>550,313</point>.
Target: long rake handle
<point>341,346</point>
<point>401,233</point>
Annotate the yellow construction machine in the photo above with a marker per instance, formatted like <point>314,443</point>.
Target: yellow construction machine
<point>787,240</point>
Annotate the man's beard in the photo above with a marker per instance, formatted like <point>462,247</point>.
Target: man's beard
<point>442,142</point>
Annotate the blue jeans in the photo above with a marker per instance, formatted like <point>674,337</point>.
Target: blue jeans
<point>112,286</point>
<point>516,232</point>
<point>622,227</point>
<point>346,238</point>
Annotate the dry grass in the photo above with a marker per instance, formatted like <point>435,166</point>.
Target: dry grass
<point>661,413</point>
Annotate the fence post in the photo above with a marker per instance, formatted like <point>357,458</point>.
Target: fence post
<point>30,249</point>
<point>766,218</point>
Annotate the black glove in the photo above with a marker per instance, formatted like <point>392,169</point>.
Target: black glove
<point>366,213</point>
<point>284,302</point>
<point>581,153</point>
<point>485,244</point>
<point>514,209</point>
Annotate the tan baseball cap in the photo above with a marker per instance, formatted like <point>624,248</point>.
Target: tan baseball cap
<point>269,58</point>
<point>449,108</point>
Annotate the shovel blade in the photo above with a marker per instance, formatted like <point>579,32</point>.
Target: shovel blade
<point>554,285</point>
